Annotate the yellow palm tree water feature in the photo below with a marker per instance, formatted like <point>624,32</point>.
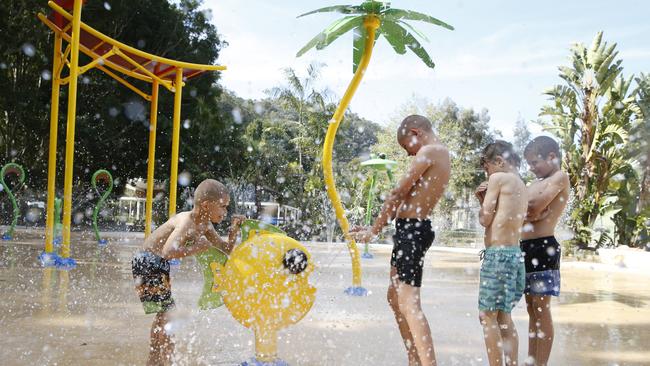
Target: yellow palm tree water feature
<point>368,20</point>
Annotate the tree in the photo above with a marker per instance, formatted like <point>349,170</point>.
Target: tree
<point>298,95</point>
<point>592,114</point>
<point>640,150</point>
<point>112,122</point>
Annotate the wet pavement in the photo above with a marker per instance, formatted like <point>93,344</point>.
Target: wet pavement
<point>91,316</point>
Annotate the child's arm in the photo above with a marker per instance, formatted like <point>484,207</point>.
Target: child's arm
<point>541,216</point>
<point>177,245</point>
<point>538,201</point>
<point>388,211</point>
<point>222,245</point>
<point>490,200</point>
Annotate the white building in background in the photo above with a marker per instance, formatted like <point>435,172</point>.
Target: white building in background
<point>273,212</point>
<point>131,206</point>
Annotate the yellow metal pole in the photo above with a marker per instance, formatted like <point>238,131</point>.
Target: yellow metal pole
<point>151,160</point>
<point>51,161</point>
<point>69,140</point>
<point>371,24</point>
<point>173,180</point>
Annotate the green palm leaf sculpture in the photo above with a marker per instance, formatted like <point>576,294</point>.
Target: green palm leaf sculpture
<point>368,21</point>
<point>393,28</point>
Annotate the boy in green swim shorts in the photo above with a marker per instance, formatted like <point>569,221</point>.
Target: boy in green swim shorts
<point>502,279</point>
<point>182,235</point>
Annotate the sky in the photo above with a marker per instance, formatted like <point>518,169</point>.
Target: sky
<point>501,56</point>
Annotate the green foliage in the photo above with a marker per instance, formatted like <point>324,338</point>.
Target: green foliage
<point>112,122</point>
<point>592,114</point>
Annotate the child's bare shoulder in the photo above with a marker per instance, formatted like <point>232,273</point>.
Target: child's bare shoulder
<point>561,177</point>
<point>498,177</point>
<point>434,153</point>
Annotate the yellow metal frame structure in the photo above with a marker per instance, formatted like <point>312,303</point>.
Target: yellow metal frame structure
<point>111,57</point>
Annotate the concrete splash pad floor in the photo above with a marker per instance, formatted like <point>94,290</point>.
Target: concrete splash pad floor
<point>91,315</point>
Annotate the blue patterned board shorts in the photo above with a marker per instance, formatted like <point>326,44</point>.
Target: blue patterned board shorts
<point>542,260</point>
<point>503,278</point>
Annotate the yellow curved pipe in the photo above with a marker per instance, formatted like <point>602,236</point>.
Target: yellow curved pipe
<point>371,23</point>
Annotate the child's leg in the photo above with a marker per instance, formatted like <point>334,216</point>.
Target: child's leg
<point>403,326</point>
<point>545,333</point>
<point>532,328</point>
<point>509,339</point>
<point>409,306</point>
<point>492,336</point>
<point>161,349</point>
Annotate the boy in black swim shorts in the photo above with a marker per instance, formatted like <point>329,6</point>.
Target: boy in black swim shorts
<point>547,198</point>
<point>411,202</point>
<point>151,275</point>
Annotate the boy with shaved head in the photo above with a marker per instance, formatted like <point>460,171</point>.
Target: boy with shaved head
<point>411,203</point>
<point>184,234</point>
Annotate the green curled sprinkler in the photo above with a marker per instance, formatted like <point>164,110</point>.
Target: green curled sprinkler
<point>377,164</point>
<point>12,168</point>
<point>105,176</point>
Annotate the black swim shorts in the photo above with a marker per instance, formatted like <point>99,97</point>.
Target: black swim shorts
<point>412,239</point>
<point>542,260</point>
<point>151,275</point>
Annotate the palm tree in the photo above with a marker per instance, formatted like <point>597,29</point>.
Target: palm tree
<point>298,96</point>
<point>368,21</point>
<point>592,114</point>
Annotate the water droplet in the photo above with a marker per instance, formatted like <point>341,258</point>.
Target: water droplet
<point>259,108</point>
<point>184,179</point>
<point>236,115</point>
<point>28,49</point>
<point>46,75</point>
<point>134,110</point>
<point>107,6</point>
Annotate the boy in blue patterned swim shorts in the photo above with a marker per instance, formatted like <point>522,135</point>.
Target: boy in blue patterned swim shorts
<point>502,278</point>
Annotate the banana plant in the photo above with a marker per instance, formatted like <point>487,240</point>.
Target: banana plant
<point>368,21</point>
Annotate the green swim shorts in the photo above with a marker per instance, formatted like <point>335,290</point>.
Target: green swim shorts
<point>502,279</point>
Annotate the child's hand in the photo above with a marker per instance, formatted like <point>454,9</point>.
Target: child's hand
<point>480,191</point>
<point>363,236</point>
<point>356,229</point>
<point>236,221</point>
